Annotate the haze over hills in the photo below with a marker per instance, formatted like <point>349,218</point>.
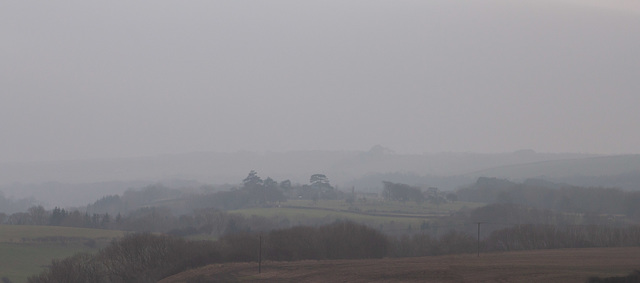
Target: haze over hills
<point>80,181</point>
<point>294,83</point>
<point>621,171</point>
<point>552,169</point>
<point>220,168</point>
<point>106,80</point>
<point>154,117</point>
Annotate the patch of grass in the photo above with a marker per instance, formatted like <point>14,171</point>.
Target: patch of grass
<point>295,213</point>
<point>19,261</point>
<point>388,216</point>
<point>28,250</point>
<point>305,216</point>
<point>380,206</point>
<point>21,233</point>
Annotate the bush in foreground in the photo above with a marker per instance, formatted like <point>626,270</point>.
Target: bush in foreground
<point>135,258</point>
<point>149,258</point>
<point>634,277</point>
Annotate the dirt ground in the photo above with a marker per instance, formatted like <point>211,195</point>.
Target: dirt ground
<point>565,265</point>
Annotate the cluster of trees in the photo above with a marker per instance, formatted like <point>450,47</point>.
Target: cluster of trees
<point>401,192</point>
<point>254,191</point>
<point>513,214</point>
<point>532,215</point>
<point>208,221</point>
<point>532,237</point>
<point>132,200</point>
<point>149,257</point>
<point>135,258</point>
<point>270,191</point>
<point>203,219</point>
<point>38,215</point>
<point>150,219</point>
<point>540,194</point>
<point>496,217</point>
<point>520,237</point>
<point>156,208</point>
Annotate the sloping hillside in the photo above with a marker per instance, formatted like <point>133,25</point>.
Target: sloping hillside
<point>621,171</point>
<point>69,183</point>
<point>570,265</point>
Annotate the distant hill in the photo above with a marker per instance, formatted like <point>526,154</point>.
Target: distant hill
<point>220,168</point>
<point>622,171</point>
<point>71,182</point>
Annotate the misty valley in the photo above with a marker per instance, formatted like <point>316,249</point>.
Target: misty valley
<point>158,231</point>
<point>320,141</point>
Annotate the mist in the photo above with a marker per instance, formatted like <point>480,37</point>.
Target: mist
<point>165,141</point>
<point>105,80</point>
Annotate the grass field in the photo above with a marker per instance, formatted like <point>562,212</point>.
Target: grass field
<point>27,250</point>
<point>386,216</point>
<point>566,265</point>
<point>308,215</point>
<point>388,207</point>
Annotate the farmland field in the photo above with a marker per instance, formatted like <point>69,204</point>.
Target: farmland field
<point>27,250</point>
<point>387,207</point>
<point>384,215</point>
<point>566,265</point>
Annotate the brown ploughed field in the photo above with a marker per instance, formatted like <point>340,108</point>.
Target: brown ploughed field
<point>564,265</point>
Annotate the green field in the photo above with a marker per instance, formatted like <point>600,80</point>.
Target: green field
<point>380,206</point>
<point>388,216</point>
<point>27,250</point>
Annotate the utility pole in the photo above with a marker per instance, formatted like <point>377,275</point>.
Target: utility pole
<point>260,255</point>
<point>479,238</point>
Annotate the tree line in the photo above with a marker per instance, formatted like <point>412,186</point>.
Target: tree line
<point>559,197</point>
<point>156,208</point>
<point>150,257</point>
<point>215,222</point>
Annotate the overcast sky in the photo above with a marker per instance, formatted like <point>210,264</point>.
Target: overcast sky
<point>87,79</point>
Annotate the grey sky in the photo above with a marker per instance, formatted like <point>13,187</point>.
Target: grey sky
<point>81,79</point>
